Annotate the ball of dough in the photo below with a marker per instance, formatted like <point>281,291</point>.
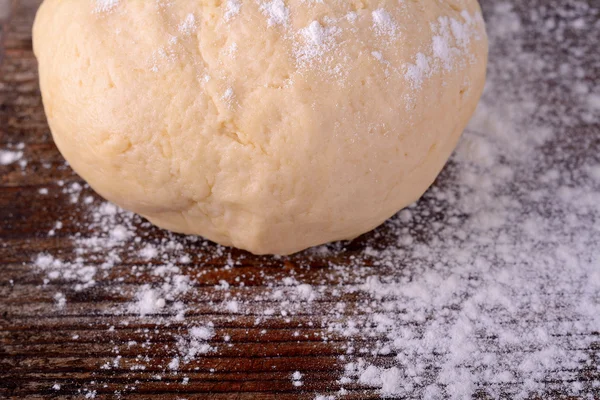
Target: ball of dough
<point>269,125</point>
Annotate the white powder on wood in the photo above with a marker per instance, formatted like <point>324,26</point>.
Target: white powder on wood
<point>489,283</point>
<point>8,156</point>
<point>232,306</point>
<point>297,379</point>
<point>149,301</point>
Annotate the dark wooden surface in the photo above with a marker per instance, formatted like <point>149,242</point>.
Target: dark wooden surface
<point>37,345</point>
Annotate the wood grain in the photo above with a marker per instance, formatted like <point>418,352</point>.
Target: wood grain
<point>37,345</point>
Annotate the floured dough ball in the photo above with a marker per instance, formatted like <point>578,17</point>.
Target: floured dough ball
<point>269,125</point>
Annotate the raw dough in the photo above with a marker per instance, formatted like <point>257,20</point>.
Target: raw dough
<point>268,125</point>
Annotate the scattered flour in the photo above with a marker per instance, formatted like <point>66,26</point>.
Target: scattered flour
<point>276,12</point>
<point>297,379</point>
<point>102,6</point>
<point>450,48</point>
<point>8,156</point>
<point>232,9</point>
<point>188,25</point>
<point>148,252</point>
<point>383,23</point>
<point>489,284</point>
<point>317,47</point>
<point>60,300</point>
<point>149,301</point>
<point>195,342</point>
<point>315,42</point>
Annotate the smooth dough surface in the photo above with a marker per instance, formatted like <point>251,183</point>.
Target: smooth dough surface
<point>269,125</point>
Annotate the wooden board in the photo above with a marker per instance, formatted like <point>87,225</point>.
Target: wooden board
<point>42,345</point>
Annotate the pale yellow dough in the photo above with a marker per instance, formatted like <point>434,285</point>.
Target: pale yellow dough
<point>272,125</point>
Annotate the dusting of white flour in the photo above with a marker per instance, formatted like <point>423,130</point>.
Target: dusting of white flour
<point>10,156</point>
<point>276,12</point>
<point>489,285</point>
<point>104,6</point>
